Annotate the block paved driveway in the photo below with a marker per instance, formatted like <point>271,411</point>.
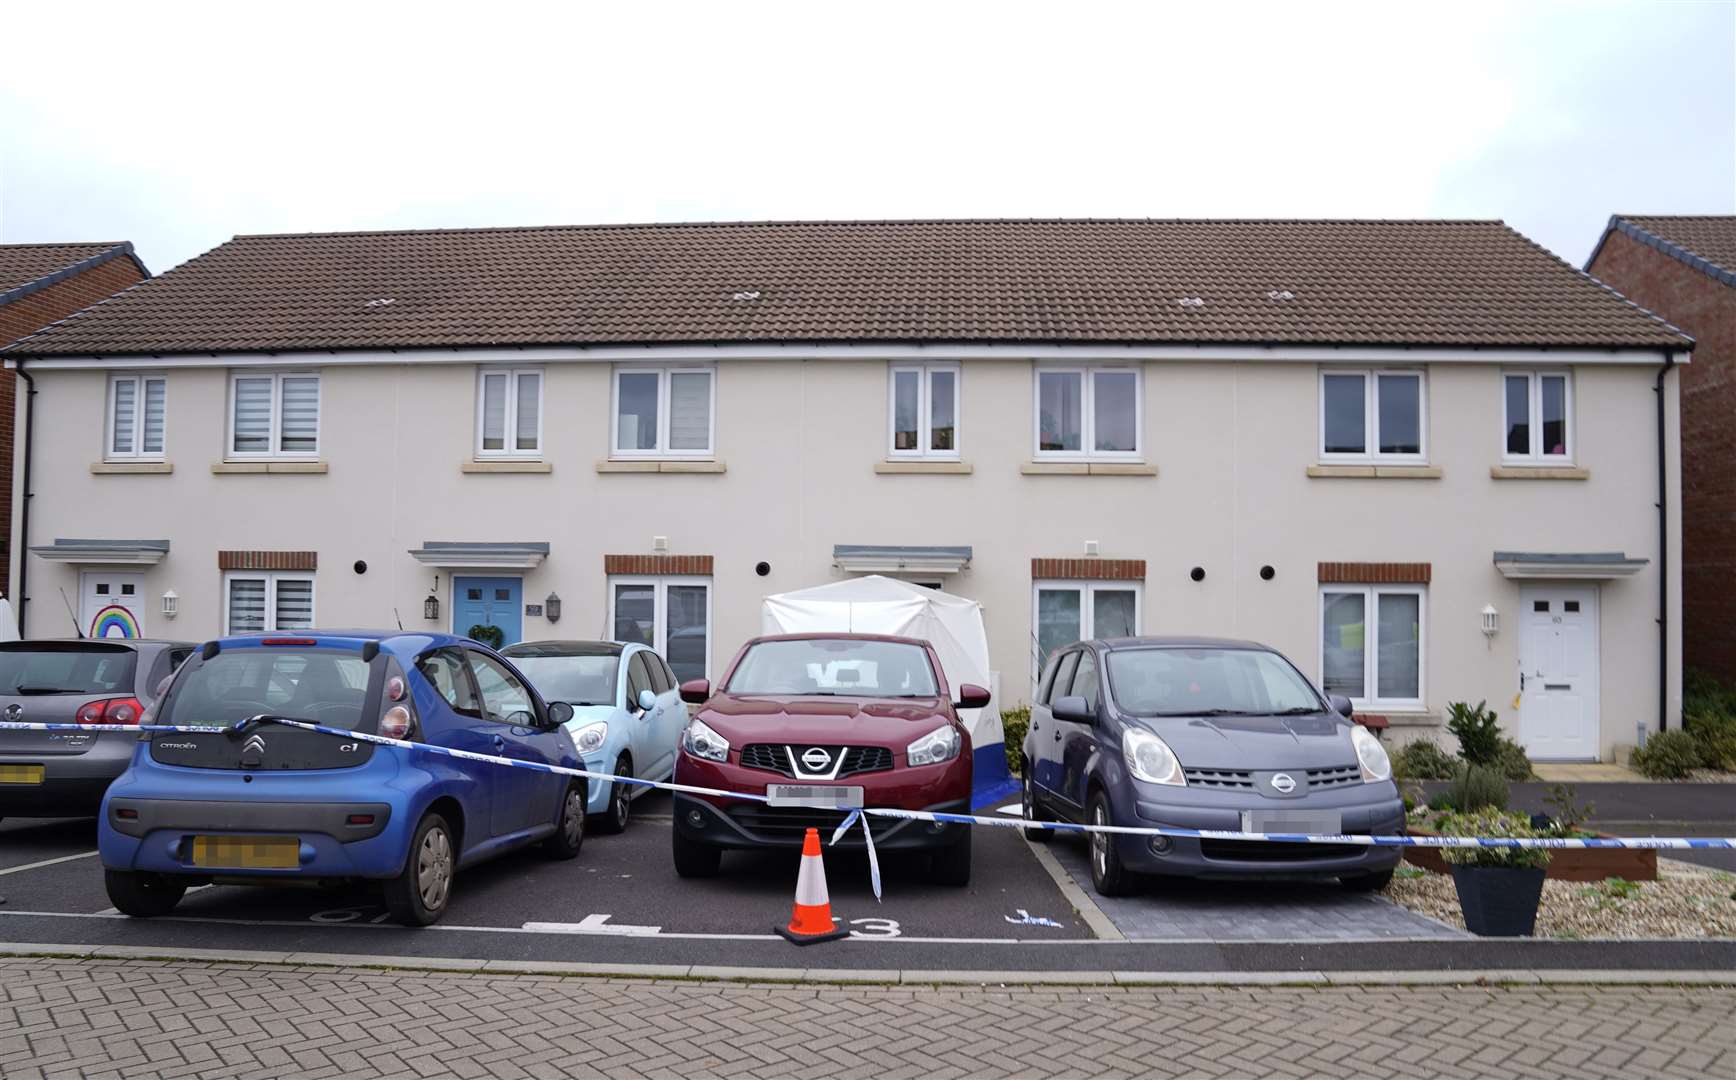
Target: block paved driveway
<point>144,1019</point>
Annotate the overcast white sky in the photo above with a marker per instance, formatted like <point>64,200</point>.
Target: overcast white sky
<point>177,126</point>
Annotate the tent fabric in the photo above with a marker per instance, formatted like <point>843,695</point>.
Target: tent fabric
<point>952,624</point>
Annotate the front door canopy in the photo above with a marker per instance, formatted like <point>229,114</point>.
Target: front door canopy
<point>508,555</point>
<point>103,552</point>
<point>1578,566</point>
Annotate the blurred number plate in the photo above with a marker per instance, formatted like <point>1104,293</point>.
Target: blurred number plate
<point>20,774</point>
<point>825,798</point>
<point>1313,822</point>
<point>247,852</point>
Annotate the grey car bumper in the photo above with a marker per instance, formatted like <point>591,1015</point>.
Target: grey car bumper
<point>72,783</point>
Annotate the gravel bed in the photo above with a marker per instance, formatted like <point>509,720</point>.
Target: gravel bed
<point>1686,901</point>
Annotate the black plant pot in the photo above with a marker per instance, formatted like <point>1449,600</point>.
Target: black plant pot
<point>1499,901</point>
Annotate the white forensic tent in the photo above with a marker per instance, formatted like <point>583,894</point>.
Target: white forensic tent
<point>952,624</point>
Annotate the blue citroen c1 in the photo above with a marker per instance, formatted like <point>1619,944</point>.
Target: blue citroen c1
<point>264,802</point>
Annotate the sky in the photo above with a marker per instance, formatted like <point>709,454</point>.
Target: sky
<point>177,126</point>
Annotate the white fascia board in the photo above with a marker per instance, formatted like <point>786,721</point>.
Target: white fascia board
<point>891,564</point>
<point>705,354</point>
<point>1520,570</point>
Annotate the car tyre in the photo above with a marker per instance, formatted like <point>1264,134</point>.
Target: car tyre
<point>419,894</point>
<point>693,860</point>
<point>569,834</point>
<point>951,864</point>
<point>614,817</point>
<point>1368,882</point>
<point>1031,810</point>
<point>1108,876</point>
<point>142,896</point>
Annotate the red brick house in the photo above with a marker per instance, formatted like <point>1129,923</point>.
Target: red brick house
<point>42,284</point>
<point>1684,268</point>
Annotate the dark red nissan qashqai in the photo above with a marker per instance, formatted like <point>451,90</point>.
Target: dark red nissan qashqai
<point>820,723</point>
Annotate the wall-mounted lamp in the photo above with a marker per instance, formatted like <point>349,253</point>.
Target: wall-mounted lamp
<point>431,606</point>
<point>552,608</point>
<point>1491,621</point>
<point>171,604</point>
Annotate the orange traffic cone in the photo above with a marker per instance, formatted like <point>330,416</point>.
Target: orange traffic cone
<point>811,919</point>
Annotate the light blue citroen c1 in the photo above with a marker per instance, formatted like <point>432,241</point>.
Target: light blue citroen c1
<point>627,713</point>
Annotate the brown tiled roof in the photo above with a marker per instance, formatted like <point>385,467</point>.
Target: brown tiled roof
<point>26,264</point>
<point>1456,283</point>
<point>1700,238</point>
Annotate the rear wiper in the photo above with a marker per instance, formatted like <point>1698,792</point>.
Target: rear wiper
<point>47,690</point>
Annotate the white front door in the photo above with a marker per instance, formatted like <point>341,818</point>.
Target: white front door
<point>111,604</point>
<point>1558,668</point>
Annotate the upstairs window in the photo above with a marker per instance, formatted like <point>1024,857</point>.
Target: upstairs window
<point>274,415</point>
<point>508,413</point>
<point>1538,406</point>
<point>1373,416</point>
<point>1088,413</point>
<point>663,412</point>
<point>136,409</point>
<point>924,411</point>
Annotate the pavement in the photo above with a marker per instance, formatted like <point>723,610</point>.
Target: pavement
<point>142,1020</point>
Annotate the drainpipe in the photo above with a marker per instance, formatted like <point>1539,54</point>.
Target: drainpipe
<point>1663,545</point>
<point>23,596</point>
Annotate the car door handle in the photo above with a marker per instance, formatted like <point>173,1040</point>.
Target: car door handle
<point>1057,736</point>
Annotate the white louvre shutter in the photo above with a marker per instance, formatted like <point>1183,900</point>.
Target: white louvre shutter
<point>126,408</point>
<point>294,609</point>
<point>154,407</point>
<point>299,426</point>
<point>253,415</point>
<point>529,399</point>
<point>690,410</point>
<point>246,605</point>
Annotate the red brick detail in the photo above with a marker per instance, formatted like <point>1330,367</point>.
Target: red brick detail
<point>651,565</point>
<point>1088,569</point>
<point>268,560</point>
<point>1372,721</point>
<point>1375,573</point>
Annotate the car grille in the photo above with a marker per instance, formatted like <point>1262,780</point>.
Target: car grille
<point>773,757</point>
<point>1338,776</point>
<point>1273,851</point>
<point>1219,778</point>
<point>786,820</point>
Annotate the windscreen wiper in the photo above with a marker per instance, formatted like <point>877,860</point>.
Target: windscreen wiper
<point>1204,712</point>
<point>1300,710</point>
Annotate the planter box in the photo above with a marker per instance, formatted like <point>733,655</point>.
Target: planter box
<point>1565,864</point>
<point>1498,901</point>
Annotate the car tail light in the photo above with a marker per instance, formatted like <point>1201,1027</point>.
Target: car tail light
<point>396,723</point>
<point>121,710</point>
<point>395,688</point>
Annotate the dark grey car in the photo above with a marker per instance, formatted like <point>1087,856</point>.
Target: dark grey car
<point>109,681</point>
<point>1201,733</point>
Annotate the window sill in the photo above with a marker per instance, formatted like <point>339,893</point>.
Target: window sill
<point>253,468</point>
<point>1397,718</point>
<point>660,467</point>
<point>1538,472</point>
<point>1087,468</point>
<point>915,467</point>
<point>506,466</point>
<point>131,468</point>
<point>1375,472</point>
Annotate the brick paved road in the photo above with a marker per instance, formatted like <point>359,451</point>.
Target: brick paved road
<point>142,1019</point>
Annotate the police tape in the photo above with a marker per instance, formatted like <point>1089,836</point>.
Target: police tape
<point>861,813</point>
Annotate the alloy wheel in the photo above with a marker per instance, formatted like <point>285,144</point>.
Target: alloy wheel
<point>434,868</point>
<point>573,821</point>
<point>618,805</point>
<point>1100,842</point>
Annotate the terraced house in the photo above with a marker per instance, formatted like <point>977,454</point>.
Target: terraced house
<point>1427,460</point>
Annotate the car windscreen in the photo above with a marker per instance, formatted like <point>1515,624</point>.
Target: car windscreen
<point>66,667</point>
<point>834,666</point>
<point>326,686</point>
<point>576,680</point>
<point>1195,682</point>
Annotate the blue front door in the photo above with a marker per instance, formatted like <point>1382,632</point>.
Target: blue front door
<point>488,601</point>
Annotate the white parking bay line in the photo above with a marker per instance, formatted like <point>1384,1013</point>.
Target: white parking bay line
<point>45,862</point>
<point>1101,925</point>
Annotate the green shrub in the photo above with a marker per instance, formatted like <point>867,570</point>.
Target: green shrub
<point>1668,755</point>
<point>487,633</point>
<point>1423,760</point>
<point>1441,800</point>
<point>1014,724</point>
<point>1476,788</point>
<point>1511,761</point>
<point>1492,823</point>
<point>1479,736</point>
<point>1715,735</point>
<point>1567,811</point>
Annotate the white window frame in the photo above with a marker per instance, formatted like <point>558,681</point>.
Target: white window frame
<point>271,578</point>
<point>276,430</point>
<point>138,453</point>
<point>1371,595</point>
<point>924,413</point>
<point>660,584</point>
<point>662,449</point>
<point>1088,589</point>
<point>1371,417</point>
<point>509,440</point>
<point>1088,417</point>
<point>1534,404</point>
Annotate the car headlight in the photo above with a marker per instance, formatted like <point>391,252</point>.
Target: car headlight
<point>1370,755</point>
<point>589,739</point>
<point>937,746</point>
<point>1149,758</point>
<point>702,742</point>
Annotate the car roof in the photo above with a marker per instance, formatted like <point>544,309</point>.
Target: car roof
<point>416,639</point>
<point>1116,644</point>
<point>838,637</point>
<point>567,648</point>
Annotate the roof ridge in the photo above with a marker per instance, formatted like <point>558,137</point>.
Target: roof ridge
<point>65,243</point>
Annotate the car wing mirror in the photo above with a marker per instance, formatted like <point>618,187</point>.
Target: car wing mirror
<point>647,700</point>
<point>559,713</point>
<point>696,691</point>
<point>1073,710</point>
<point>971,696</point>
<point>1341,705</point>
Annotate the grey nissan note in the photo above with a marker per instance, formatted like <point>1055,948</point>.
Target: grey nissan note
<point>1199,733</point>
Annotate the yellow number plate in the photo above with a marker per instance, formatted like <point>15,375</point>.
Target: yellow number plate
<point>247,852</point>
<point>20,774</point>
